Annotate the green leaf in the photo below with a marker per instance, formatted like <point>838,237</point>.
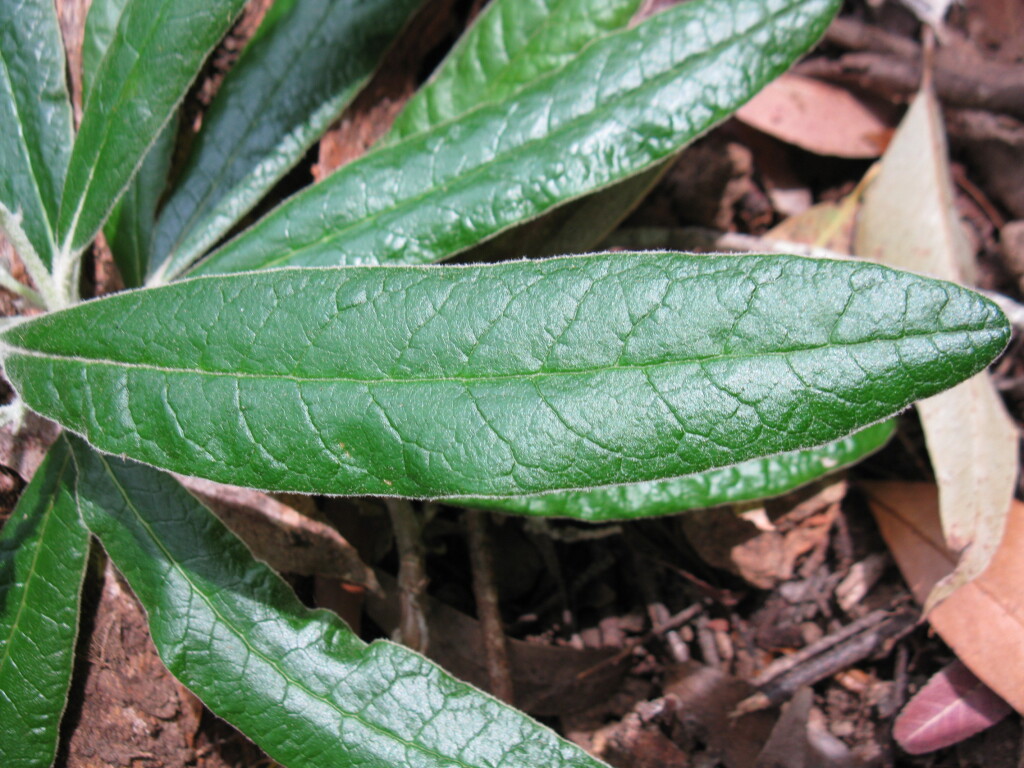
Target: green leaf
<point>35,118</point>
<point>306,63</point>
<point>625,103</point>
<point>511,44</point>
<point>157,50</point>
<point>129,230</point>
<point>314,695</point>
<point>498,380</point>
<point>43,552</point>
<point>748,481</point>
<point>100,27</point>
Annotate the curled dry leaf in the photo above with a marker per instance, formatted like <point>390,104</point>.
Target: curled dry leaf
<point>952,706</point>
<point>909,221</point>
<point>821,118</point>
<point>982,621</point>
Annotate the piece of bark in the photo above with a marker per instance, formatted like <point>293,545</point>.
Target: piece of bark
<point>890,65</point>
<point>126,708</point>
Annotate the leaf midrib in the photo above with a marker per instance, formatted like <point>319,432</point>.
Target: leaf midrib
<point>269,661</point>
<point>525,376</point>
<point>398,205</point>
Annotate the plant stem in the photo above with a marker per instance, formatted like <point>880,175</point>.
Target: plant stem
<point>412,575</point>
<point>20,289</point>
<point>481,558</point>
<point>10,226</point>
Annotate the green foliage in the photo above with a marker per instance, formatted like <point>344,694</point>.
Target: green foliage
<point>536,387</point>
<point>43,551</point>
<point>498,380</point>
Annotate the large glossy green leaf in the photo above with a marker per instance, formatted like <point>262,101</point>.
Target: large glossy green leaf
<point>511,43</point>
<point>35,118</point>
<point>498,380</point>
<point>298,682</point>
<point>625,103</point>
<point>43,551</point>
<point>747,481</point>
<point>157,50</point>
<point>308,60</point>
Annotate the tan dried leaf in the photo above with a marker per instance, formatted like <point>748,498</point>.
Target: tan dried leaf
<point>908,220</point>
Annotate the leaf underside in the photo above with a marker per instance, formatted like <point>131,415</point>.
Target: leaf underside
<point>307,62</point>
<point>747,481</point>
<point>498,380</point>
<point>298,682</point>
<point>43,552</point>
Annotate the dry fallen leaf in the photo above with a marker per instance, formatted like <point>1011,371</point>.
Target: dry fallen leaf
<point>982,621</point>
<point>952,706</point>
<point>908,220</point>
<point>821,118</point>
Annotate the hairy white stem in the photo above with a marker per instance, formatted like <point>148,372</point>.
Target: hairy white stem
<point>20,289</point>
<point>67,270</point>
<point>13,414</point>
<point>10,225</point>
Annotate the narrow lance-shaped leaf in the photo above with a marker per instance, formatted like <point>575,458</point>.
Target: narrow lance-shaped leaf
<point>307,61</point>
<point>43,551</point>
<point>101,25</point>
<point>747,481</point>
<point>315,696</point>
<point>130,226</point>
<point>511,43</point>
<point>35,119</point>
<point>498,380</point>
<point>156,52</point>
<point>129,230</point>
<point>626,103</point>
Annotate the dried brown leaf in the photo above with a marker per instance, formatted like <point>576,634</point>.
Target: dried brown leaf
<point>821,118</point>
<point>982,621</point>
<point>909,220</point>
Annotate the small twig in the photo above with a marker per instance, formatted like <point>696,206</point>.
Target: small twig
<point>835,657</point>
<point>412,575</point>
<point>657,611</point>
<point>706,641</point>
<point>675,622</point>
<point>481,558</point>
<point>784,664</point>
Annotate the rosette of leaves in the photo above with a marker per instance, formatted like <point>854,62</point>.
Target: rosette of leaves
<point>603,386</point>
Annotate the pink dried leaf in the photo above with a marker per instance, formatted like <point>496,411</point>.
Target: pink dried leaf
<point>951,707</point>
